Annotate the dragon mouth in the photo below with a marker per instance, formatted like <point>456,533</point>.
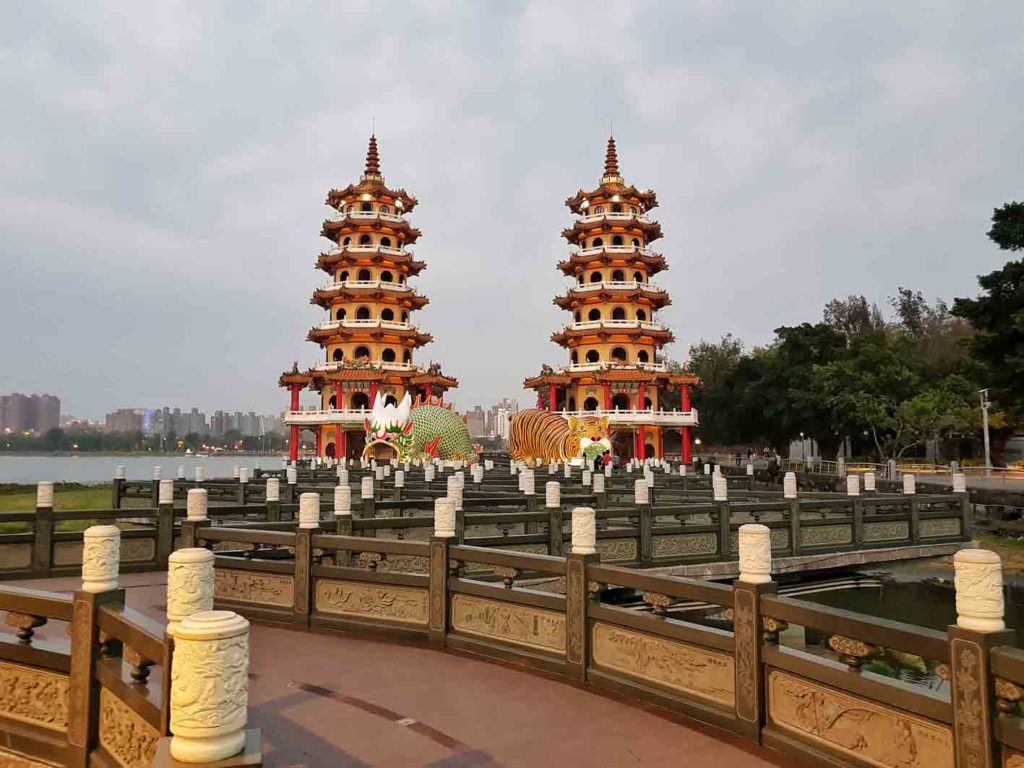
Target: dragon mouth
<point>380,449</point>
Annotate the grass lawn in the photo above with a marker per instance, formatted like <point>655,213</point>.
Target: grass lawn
<point>63,501</point>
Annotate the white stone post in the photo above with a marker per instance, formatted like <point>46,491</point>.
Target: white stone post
<point>608,469</point>
<point>852,485</point>
<point>869,481</point>
<point>200,474</point>
<point>719,488</point>
<point>165,492</point>
<point>292,475</point>
<point>399,478</point>
<point>707,469</point>
<point>584,531</point>
<point>750,470</point>
<point>181,471</point>
<point>682,470</point>
<point>342,476</point>
<point>196,504</point>
<point>378,473</point>
<point>209,687</point>
<point>120,473</point>
<point>366,488</point>
<point>101,558</point>
<point>235,472</point>
<point>530,483</point>
<point>309,510</point>
<point>512,468</point>
<point>586,475</point>
<point>959,483</point>
<point>598,483</point>
<point>444,517</point>
<point>789,485</point>
<point>909,487</point>
<point>44,494</point>
<point>189,584</point>
<point>387,470</point>
<point>428,473</point>
<point>243,474</point>
<point>641,495</point>
<point>978,577</point>
<point>755,554</point>
<point>273,489</point>
<point>567,470</point>
<point>552,494</point>
<point>342,500</point>
<point>156,473</point>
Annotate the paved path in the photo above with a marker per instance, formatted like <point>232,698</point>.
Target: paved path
<point>335,701</point>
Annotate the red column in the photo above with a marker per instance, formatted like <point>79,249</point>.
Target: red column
<point>319,441</point>
<point>607,396</point>
<point>642,396</point>
<point>341,444</point>
<point>661,444</point>
<point>293,444</point>
<point>373,393</point>
<point>540,400</point>
<point>684,394</point>
<point>552,397</point>
<point>642,437</point>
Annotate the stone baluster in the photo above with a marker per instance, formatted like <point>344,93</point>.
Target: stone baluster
<point>585,478</point>
<point>552,494</point>
<point>189,584</point>
<point>42,548</point>
<point>909,485</point>
<point>869,482</point>
<point>399,478</point>
<point>852,485</point>
<point>200,474</point>
<point>597,483</point>
<point>309,510</point>
<point>196,503</point>
<point>101,558</point>
<point>719,488</point>
<point>641,494</point>
<point>444,518</point>
<point>181,471</point>
<point>749,626</point>
<point>789,485</point>
<point>959,483</point>
<point>584,531</point>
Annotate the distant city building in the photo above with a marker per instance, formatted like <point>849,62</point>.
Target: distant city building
<point>29,413</point>
<point>476,422</point>
<point>126,420</point>
<point>499,416</point>
<point>166,422</point>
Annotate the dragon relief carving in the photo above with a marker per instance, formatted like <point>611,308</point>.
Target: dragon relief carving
<point>124,734</point>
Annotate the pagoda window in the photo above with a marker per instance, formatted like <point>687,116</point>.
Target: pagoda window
<point>575,357</point>
<point>572,403</point>
<point>390,400</point>
<point>599,209</point>
<point>387,277</point>
<point>593,356</point>
<point>618,276</point>
<point>386,242</point>
<point>341,314</point>
<point>365,207</point>
<point>595,277</point>
<point>617,240</point>
<point>619,354</point>
<point>388,356</point>
<point>363,313</point>
<point>364,275</point>
<point>405,317</point>
<point>632,209</point>
<point>576,317</point>
<point>636,242</point>
<point>338,355</point>
<point>333,402</point>
<point>621,402</point>
<point>647,403</point>
<point>346,241</point>
<point>360,401</point>
<point>387,314</point>
<point>597,242</point>
<point>385,209</point>
<point>642,356</point>
<point>407,356</point>
<point>365,240</point>
<point>638,277</point>
<point>616,208</point>
<point>618,313</point>
<point>343,276</point>
<point>641,315</point>
<point>590,404</point>
<point>579,278</point>
<point>594,314</point>
<point>362,352</point>
<point>348,208</point>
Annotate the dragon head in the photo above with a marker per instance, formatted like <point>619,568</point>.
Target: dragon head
<point>389,429</point>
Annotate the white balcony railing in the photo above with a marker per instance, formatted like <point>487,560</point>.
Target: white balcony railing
<point>345,416</point>
<point>640,417</point>
<point>601,365</point>
<point>368,215</point>
<point>613,249</point>
<point>594,325</point>
<point>613,216</point>
<point>616,286</point>
<point>384,365</point>
<point>365,284</point>
<point>389,325</point>
<point>372,248</point>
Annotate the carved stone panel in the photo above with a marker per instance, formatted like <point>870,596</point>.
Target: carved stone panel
<point>894,530</point>
<point>132,551</point>
<point>680,545</point>
<point>826,535</point>
<point>1012,759</point>
<point>125,735</point>
<point>15,556</point>
<point>671,664</point>
<point>508,622</point>
<point>944,527</point>
<point>748,636</point>
<point>34,696</point>
<point>404,564</point>
<point>617,550</point>
<point>529,549</point>
<point>271,589</point>
<point>14,760</point>
<point>404,605</point>
<point>970,706</point>
<point>869,731</point>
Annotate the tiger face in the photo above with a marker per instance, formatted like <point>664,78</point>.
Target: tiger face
<point>590,431</point>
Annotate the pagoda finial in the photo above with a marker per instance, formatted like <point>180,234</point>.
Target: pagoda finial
<point>372,158</point>
<point>611,160</point>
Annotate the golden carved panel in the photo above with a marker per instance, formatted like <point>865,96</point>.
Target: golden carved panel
<point>682,667</point>
<point>14,760</point>
<point>132,551</point>
<point>509,622</point>
<point>1012,759</point>
<point>34,696</point>
<point>126,736</point>
<point>869,731</point>
<point>405,605</point>
<point>251,587</point>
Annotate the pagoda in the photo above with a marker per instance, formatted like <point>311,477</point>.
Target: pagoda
<point>615,335</point>
<point>367,337</point>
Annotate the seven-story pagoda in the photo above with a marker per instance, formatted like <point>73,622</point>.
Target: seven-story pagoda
<point>615,335</point>
<point>368,337</point>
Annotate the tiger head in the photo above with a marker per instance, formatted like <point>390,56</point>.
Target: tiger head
<point>589,435</point>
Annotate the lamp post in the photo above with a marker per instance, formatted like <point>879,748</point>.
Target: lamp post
<point>985,403</point>
<point>803,449</point>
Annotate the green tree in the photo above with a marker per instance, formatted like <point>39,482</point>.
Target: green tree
<point>1008,227</point>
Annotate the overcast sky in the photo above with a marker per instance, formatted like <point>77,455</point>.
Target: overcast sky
<point>162,172</point>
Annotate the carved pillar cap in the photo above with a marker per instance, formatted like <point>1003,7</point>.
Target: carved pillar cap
<point>444,518</point>
<point>292,475</point>
<point>309,510</point>
<point>195,504</point>
<point>552,494</point>
<point>165,494</point>
<point>789,485</point>
<point>189,584</point>
<point>598,483</point>
<point>978,577</point>
<point>366,488</point>
<point>455,496</point>
<point>243,474</point>
<point>101,558</point>
<point>719,488</point>
<point>755,554</point>
<point>156,473</point>
<point>584,531</point>
<point>869,481</point>
<point>909,485</point>
<point>181,471</point>
<point>200,474</point>
<point>342,500</point>
<point>120,473</point>
<point>273,489</point>
<point>586,477</point>
<point>959,483</point>
<point>44,494</point>
<point>641,494</point>
<point>852,485</point>
<point>378,473</point>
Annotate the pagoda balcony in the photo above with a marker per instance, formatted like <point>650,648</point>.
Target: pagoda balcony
<point>626,250</point>
<point>374,248</point>
<point>347,417</point>
<point>614,216</point>
<point>628,285</point>
<point>389,325</point>
<point>596,325</point>
<point>379,365</point>
<point>368,216</point>
<point>366,284</point>
<point>616,365</point>
<point>645,418</point>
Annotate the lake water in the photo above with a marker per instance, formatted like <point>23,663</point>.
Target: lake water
<point>100,469</point>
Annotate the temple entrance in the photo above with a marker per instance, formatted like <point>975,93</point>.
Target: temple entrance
<point>622,444</point>
<point>380,450</point>
<point>329,450</point>
<point>672,443</point>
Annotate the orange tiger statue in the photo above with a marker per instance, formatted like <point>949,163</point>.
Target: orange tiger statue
<point>545,436</point>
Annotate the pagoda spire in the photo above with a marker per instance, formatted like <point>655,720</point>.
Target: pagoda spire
<point>372,158</point>
<point>611,163</point>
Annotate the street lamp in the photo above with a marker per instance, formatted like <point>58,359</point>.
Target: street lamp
<point>803,448</point>
<point>985,403</point>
